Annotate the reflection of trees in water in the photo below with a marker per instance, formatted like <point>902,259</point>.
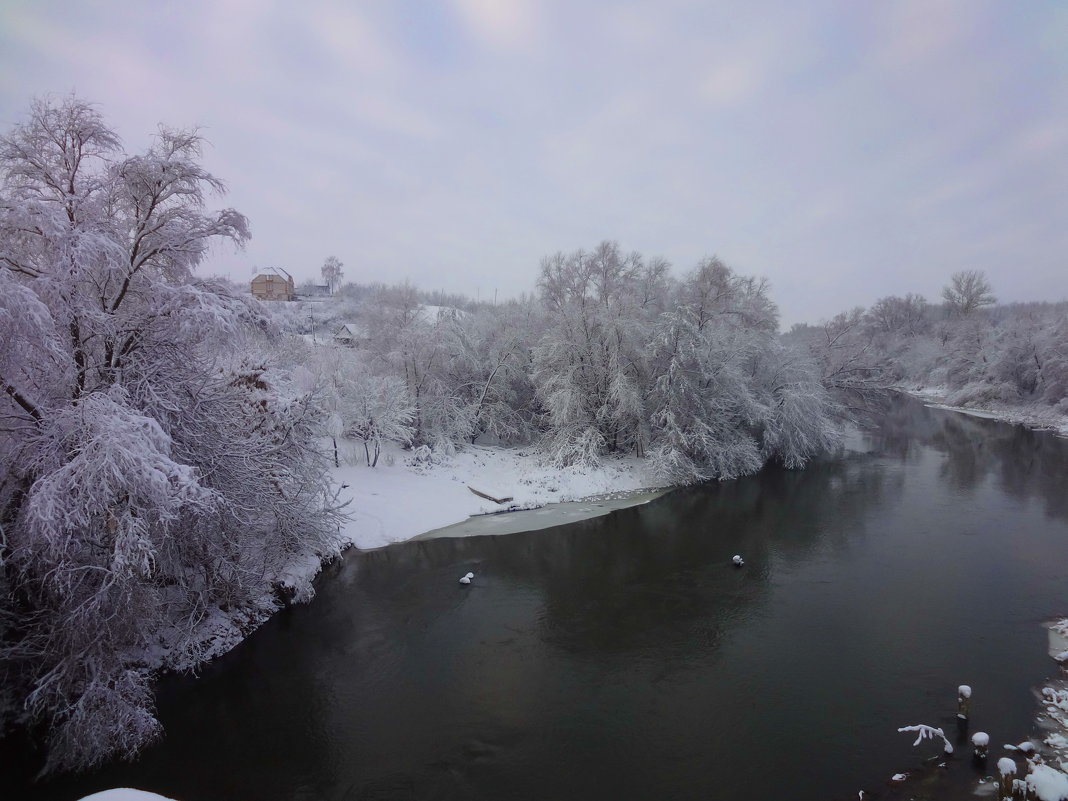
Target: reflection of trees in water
<point>902,428</point>
<point>1024,464</point>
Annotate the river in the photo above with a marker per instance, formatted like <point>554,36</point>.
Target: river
<point>623,657</point>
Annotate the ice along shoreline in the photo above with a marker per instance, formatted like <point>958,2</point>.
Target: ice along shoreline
<point>1039,418</point>
<point>516,521</point>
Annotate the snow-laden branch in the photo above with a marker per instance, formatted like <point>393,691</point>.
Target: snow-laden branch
<point>929,733</point>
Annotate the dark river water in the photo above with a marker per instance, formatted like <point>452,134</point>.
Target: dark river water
<point>624,658</point>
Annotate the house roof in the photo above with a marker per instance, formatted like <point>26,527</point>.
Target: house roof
<point>350,331</point>
<point>431,313</point>
<point>273,271</point>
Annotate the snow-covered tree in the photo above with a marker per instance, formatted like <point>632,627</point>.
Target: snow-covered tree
<point>486,369</point>
<point>727,396</point>
<point>966,292</point>
<point>152,470</point>
<point>377,411</point>
<point>332,274</point>
<point>904,316</point>
<point>588,367</point>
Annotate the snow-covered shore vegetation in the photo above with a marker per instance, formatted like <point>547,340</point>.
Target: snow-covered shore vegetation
<point>966,352</point>
<point>613,356</point>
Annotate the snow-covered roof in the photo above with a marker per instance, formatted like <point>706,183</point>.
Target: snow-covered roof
<point>273,271</point>
<point>430,313</point>
<point>350,331</point>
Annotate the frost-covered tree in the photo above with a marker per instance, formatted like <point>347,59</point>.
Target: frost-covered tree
<point>153,469</point>
<point>486,370</point>
<point>727,396</point>
<point>966,292</point>
<point>377,411</point>
<point>358,403</point>
<point>332,274</point>
<point>690,373</point>
<point>588,367</point>
<point>903,316</point>
<point>405,341</point>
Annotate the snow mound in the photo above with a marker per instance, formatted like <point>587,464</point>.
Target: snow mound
<point>1048,784</point>
<point>1006,766</point>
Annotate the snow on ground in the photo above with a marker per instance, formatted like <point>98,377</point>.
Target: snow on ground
<point>125,794</point>
<point>1054,698</point>
<point>1033,415</point>
<point>404,496</point>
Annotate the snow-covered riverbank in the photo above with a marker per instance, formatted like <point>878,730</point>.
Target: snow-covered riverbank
<point>406,496</point>
<point>1033,416</point>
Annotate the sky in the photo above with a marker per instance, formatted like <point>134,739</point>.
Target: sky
<point>844,150</point>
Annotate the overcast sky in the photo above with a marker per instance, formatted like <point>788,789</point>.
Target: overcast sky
<point>844,150</point>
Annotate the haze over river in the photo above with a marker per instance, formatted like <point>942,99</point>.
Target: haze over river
<point>624,657</point>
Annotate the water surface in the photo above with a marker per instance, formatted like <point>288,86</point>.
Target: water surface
<point>624,658</point>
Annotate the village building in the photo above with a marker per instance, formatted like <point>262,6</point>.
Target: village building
<point>351,335</point>
<point>275,284</point>
<point>316,291</point>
